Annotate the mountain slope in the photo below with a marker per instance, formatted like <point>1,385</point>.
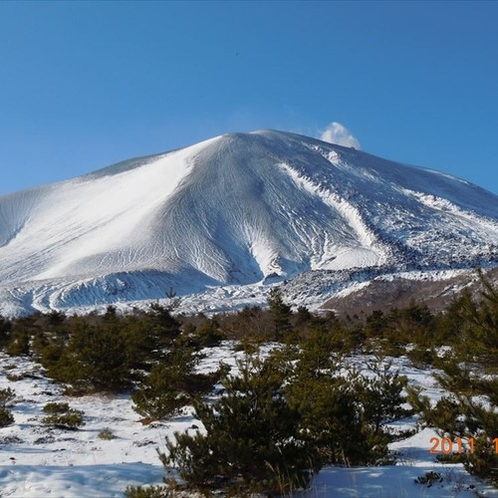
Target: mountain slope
<point>236,210</point>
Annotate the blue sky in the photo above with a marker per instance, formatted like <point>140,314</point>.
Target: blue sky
<point>87,84</point>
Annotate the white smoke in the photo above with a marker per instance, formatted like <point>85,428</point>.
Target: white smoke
<point>336,133</point>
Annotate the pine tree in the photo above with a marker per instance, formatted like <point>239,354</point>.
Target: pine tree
<point>280,312</point>
<point>252,441</point>
<point>172,384</point>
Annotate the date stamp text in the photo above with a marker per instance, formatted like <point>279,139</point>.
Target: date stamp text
<point>447,445</point>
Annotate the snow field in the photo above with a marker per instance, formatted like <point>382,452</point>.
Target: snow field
<point>237,210</point>
<point>38,462</point>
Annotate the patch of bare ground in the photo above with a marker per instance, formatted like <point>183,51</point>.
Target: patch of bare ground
<point>384,294</point>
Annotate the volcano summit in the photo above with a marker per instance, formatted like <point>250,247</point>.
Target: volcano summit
<point>236,211</point>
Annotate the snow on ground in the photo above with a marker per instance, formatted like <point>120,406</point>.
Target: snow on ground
<point>311,292</point>
<point>37,462</point>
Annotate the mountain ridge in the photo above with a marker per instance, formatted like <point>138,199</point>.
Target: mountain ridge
<point>239,209</point>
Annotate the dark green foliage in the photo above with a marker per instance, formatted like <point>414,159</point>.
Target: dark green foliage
<point>487,387</point>
<point>318,350</point>
<point>280,312</point>
<point>457,376</point>
<point>61,416</point>
<point>6,417</point>
<point>444,415</point>
<point>381,395</point>
<point>343,416</point>
<point>19,342</point>
<point>471,327</point>
<point>252,442</point>
<point>375,324</point>
<point>208,334</point>
<point>400,327</point>
<point>5,331</point>
<point>165,325</point>
<point>329,420</point>
<point>7,396</point>
<point>93,354</point>
<point>22,331</point>
<point>303,316</point>
<point>422,356</point>
<point>461,416</point>
<point>483,462</point>
<point>285,417</point>
<point>149,492</point>
<point>71,420</point>
<point>94,359</point>
<point>289,415</point>
<point>56,408</point>
<point>106,434</point>
<point>422,330</point>
<point>172,384</point>
<point>473,331</point>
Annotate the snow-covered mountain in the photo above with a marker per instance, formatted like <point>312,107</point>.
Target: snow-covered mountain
<point>236,210</point>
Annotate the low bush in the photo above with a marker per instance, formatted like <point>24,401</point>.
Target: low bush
<point>56,408</point>
<point>106,434</point>
<point>149,492</point>
<point>7,396</point>
<point>62,416</point>
<point>6,417</point>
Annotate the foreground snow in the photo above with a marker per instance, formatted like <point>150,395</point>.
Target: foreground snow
<point>39,462</point>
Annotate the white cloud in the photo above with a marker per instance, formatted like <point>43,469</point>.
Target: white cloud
<point>336,133</point>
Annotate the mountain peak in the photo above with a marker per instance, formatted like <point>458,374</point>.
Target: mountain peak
<point>239,209</point>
